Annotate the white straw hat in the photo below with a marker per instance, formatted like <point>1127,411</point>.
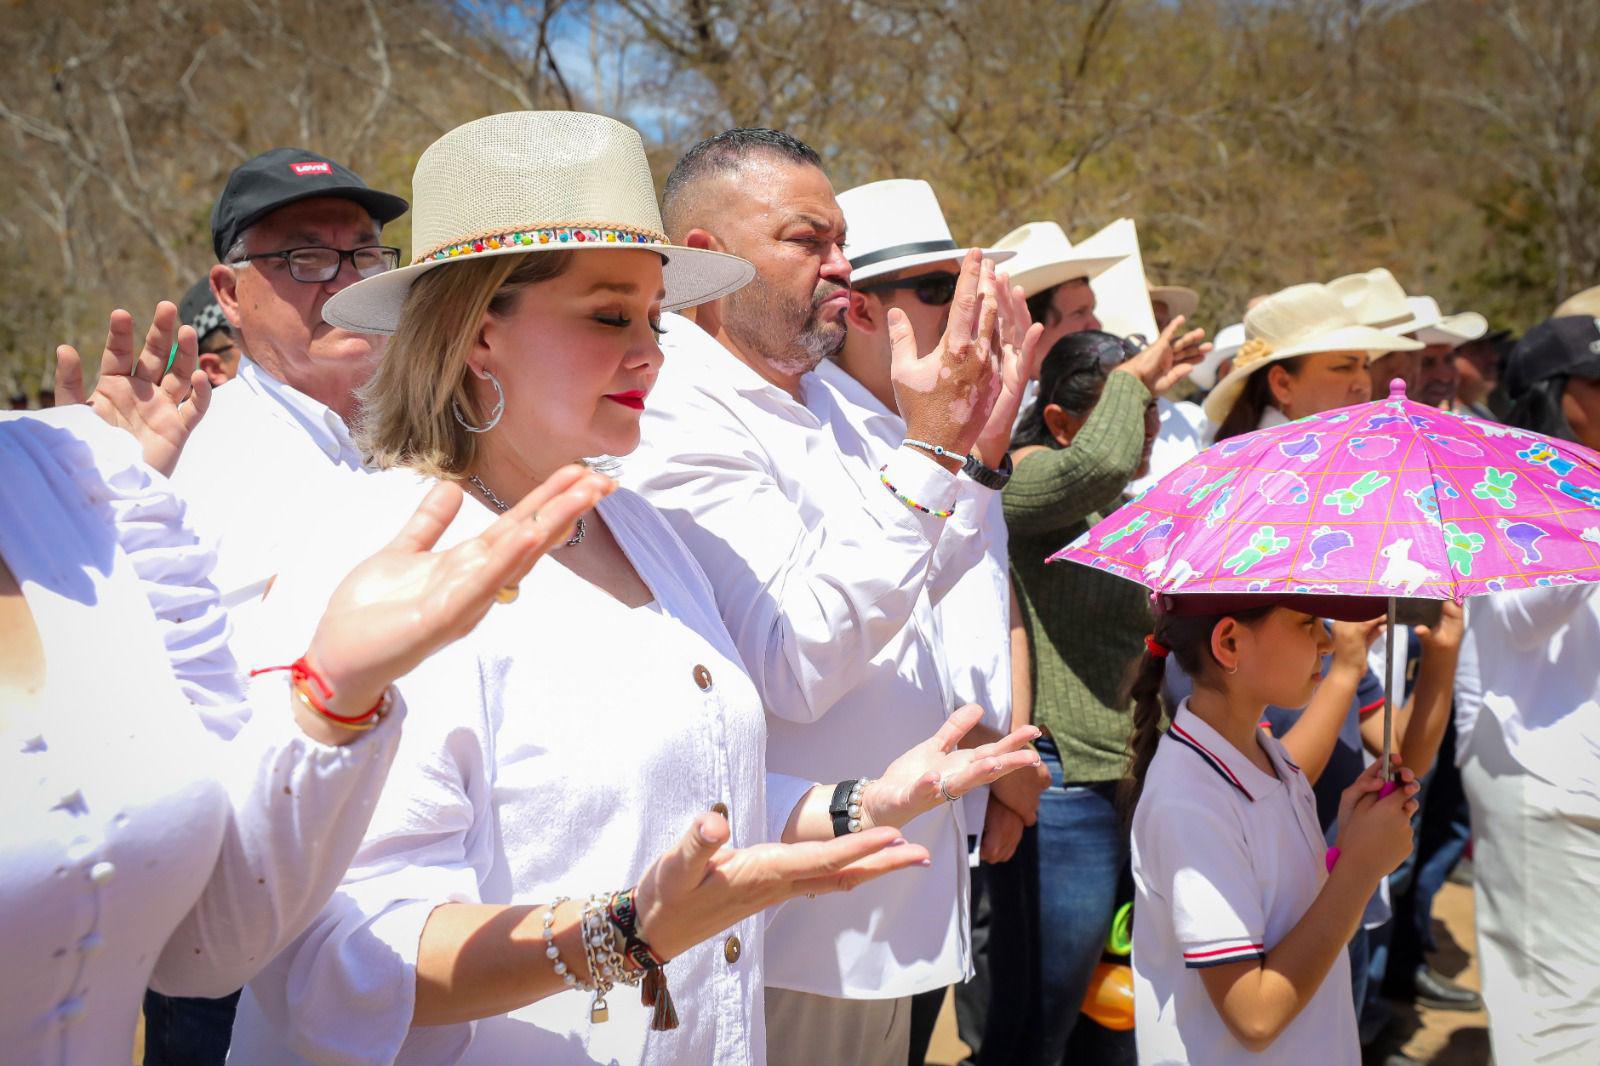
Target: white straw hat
<point>1376,299</point>
<point>1300,320</point>
<point>1586,302</point>
<point>1180,299</point>
<point>896,224</point>
<point>1224,346</point>
<point>534,181</point>
<point>1045,258</point>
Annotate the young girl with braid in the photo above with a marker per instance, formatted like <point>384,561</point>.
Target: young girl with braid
<point>1243,912</point>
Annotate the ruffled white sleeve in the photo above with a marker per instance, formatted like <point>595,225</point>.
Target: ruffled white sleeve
<point>345,992</point>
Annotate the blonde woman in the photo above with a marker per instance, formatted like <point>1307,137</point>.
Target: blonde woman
<point>592,721</point>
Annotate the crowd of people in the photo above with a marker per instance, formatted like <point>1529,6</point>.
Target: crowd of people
<point>401,658</point>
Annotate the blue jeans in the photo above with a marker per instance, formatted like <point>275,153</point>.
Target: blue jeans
<point>187,1031</point>
<point>1050,910</point>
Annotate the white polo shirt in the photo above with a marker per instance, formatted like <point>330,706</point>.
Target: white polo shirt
<point>1226,861</point>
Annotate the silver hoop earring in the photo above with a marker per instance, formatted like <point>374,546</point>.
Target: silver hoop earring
<point>494,416</point>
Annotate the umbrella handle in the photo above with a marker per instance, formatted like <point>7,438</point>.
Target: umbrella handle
<point>1388,698</point>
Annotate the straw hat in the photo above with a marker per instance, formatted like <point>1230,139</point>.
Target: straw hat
<point>1045,258</point>
<point>897,224</point>
<point>1586,302</point>
<point>1300,320</point>
<point>1180,299</point>
<point>1376,299</point>
<point>534,181</point>
<point>1224,346</point>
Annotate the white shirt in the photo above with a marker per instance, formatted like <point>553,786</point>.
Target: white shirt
<point>258,472</point>
<point>973,621</point>
<point>1185,433</point>
<point>1226,861</point>
<point>818,571</point>
<point>1535,652</point>
<point>146,842</point>
<point>558,749</point>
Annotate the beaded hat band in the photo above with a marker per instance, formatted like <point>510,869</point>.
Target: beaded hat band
<point>581,180</point>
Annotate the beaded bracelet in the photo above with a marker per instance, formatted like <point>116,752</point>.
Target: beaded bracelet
<point>883,476</point>
<point>552,952</point>
<point>941,452</point>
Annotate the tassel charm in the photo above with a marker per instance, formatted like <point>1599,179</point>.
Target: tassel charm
<point>655,993</point>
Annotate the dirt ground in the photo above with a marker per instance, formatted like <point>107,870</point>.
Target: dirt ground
<point>1440,1038</point>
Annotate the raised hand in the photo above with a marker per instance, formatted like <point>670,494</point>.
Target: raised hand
<point>947,395</point>
<point>137,391</point>
<point>1168,361</point>
<point>912,783</point>
<point>700,887</point>
<point>1020,356</point>
<point>1351,640</point>
<point>407,601</point>
<point>1447,635</point>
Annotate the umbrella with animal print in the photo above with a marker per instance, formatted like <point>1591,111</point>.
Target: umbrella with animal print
<point>1382,499</point>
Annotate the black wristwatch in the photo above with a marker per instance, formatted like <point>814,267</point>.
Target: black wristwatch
<point>989,479</point>
<point>846,794</point>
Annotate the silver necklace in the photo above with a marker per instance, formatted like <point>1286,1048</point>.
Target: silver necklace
<point>502,506</point>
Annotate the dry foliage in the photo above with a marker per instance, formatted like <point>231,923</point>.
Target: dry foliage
<point>1258,143</point>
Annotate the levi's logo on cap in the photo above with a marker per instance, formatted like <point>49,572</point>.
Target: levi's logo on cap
<point>302,169</point>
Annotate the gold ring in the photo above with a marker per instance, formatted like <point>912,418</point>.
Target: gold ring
<point>507,593</point>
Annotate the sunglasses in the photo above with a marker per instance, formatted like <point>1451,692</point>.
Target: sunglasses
<point>1114,351</point>
<point>935,290</point>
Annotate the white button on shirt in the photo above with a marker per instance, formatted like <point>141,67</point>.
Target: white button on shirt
<point>973,621</point>
<point>1226,861</point>
<point>818,571</point>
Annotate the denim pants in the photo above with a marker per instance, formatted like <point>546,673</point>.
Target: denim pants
<point>1050,911</point>
<point>187,1031</point>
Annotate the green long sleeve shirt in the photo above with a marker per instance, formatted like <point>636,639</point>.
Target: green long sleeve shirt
<point>1085,627</point>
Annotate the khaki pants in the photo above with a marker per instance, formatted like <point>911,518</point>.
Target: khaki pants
<point>1536,857</point>
<point>807,1030</point>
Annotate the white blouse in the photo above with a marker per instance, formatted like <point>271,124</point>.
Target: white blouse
<point>559,750</point>
<point>145,841</point>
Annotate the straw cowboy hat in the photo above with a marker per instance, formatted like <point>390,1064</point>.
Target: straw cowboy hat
<point>1224,346</point>
<point>897,224</point>
<point>1300,320</point>
<point>1180,299</point>
<point>534,181</point>
<point>1376,299</point>
<point>1586,302</point>
<point>1045,258</point>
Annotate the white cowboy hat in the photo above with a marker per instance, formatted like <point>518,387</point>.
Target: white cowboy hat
<point>1300,320</point>
<point>1180,299</point>
<point>1586,302</point>
<point>896,224</point>
<point>1376,299</point>
<point>1045,258</point>
<point>534,181</point>
<point>1224,346</point>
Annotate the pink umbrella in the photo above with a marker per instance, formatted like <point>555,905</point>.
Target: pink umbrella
<point>1381,499</point>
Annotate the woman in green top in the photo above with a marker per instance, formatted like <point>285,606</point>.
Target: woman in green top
<point>1074,453</point>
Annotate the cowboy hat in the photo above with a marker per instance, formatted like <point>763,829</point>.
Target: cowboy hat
<point>1376,299</point>
<point>534,181</point>
<point>1180,300</point>
<point>1300,320</point>
<point>1228,341</point>
<point>1045,258</point>
<point>895,225</point>
<point>1586,302</point>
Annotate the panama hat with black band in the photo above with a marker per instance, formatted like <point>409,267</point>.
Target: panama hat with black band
<point>529,182</point>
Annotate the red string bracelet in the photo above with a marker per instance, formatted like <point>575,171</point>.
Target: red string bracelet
<point>1158,650</point>
<point>300,672</point>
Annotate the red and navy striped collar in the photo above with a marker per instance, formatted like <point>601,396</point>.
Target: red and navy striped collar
<point>1186,737</point>
<point>1226,761</point>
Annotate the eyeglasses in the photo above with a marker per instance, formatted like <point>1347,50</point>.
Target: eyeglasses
<point>935,290</point>
<point>318,264</point>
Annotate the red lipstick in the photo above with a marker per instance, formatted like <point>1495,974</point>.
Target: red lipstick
<point>633,398</point>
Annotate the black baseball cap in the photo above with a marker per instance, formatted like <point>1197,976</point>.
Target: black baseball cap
<point>1567,346</point>
<point>260,186</point>
<point>200,309</point>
